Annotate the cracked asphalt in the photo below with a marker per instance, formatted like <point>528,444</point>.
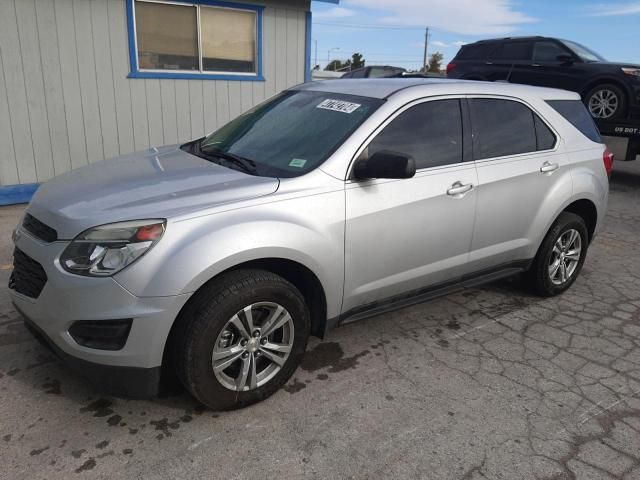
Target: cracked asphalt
<point>490,383</point>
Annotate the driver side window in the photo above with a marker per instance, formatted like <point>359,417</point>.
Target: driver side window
<point>430,133</point>
<point>547,52</point>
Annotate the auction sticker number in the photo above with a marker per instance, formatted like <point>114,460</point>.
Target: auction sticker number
<point>339,106</point>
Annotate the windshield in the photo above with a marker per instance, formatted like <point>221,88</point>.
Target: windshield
<point>288,135</point>
<point>586,54</point>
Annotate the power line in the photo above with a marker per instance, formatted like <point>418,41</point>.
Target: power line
<point>366,25</point>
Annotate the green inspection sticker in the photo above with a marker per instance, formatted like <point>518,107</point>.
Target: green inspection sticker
<point>297,162</point>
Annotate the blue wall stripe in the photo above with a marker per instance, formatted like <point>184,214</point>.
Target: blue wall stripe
<point>307,53</point>
<point>13,194</point>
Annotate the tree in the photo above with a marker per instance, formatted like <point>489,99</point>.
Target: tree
<point>357,61</point>
<point>335,65</point>
<point>435,61</point>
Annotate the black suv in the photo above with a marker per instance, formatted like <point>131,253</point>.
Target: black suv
<point>610,90</point>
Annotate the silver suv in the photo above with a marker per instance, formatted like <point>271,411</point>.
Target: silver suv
<point>213,262</point>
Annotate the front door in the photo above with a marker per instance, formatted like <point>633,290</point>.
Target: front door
<point>406,235</point>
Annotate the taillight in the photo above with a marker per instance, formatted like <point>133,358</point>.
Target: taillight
<point>451,67</point>
<point>607,158</point>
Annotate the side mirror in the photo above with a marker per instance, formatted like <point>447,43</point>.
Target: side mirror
<point>385,164</point>
<point>565,59</point>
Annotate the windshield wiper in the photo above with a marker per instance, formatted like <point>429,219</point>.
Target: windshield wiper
<point>245,164</point>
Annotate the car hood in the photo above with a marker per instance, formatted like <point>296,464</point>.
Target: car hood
<point>156,183</point>
<point>616,64</point>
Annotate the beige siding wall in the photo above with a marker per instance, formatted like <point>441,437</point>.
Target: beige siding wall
<point>65,99</point>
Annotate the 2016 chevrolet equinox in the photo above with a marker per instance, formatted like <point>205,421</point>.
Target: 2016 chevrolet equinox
<point>215,260</point>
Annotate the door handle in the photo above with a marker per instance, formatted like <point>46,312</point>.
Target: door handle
<point>549,167</point>
<point>459,189</point>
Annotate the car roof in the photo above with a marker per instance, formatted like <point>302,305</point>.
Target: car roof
<point>383,88</point>
<point>503,39</point>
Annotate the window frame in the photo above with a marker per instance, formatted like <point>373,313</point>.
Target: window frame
<point>470,98</point>
<point>467,155</point>
<point>136,72</point>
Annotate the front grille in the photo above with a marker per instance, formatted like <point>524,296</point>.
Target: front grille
<point>28,276</point>
<point>38,229</point>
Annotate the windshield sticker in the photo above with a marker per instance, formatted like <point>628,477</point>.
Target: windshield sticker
<point>339,106</point>
<point>297,162</point>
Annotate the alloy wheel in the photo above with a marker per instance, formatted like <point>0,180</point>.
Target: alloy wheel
<point>603,103</point>
<point>565,257</point>
<point>253,346</point>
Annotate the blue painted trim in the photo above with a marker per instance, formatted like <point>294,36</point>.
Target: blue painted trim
<point>195,76</point>
<point>307,54</point>
<point>329,1</point>
<point>13,194</point>
<point>133,54</point>
<point>133,57</point>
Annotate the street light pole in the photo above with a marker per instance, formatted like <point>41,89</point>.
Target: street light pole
<point>316,60</point>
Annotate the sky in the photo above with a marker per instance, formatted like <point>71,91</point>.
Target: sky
<point>392,32</point>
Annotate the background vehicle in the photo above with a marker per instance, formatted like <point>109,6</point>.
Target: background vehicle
<point>611,91</point>
<point>377,71</point>
<point>215,260</point>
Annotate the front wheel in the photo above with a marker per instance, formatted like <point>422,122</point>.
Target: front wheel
<point>560,257</point>
<point>606,102</point>
<point>242,338</point>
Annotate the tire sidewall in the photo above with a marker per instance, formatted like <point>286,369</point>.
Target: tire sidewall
<point>204,384</point>
<point>568,223</point>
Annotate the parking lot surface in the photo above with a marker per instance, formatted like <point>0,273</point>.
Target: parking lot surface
<point>489,383</point>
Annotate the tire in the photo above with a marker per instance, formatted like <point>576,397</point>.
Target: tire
<point>600,101</point>
<point>540,276</point>
<point>205,330</point>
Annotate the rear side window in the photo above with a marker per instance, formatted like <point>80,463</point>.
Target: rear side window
<point>577,115</point>
<point>502,127</point>
<point>431,133</point>
<point>517,51</point>
<point>544,136</point>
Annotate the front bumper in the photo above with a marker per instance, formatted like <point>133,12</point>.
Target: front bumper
<point>67,298</point>
<point>131,382</point>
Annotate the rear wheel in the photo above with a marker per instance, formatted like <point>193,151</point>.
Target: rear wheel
<point>560,257</point>
<point>242,339</point>
<point>606,102</point>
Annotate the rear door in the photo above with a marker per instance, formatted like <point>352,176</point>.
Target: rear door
<point>410,234</point>
<point>507,59</point>
<point>519,162</point>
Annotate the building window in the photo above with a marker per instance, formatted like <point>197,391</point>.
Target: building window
<point>207,39</point>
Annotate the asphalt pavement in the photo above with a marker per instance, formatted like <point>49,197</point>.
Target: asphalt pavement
<point>489,383</point>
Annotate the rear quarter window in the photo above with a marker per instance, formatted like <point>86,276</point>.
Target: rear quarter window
<point>577,115</point>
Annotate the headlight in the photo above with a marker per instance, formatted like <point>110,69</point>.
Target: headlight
<point>634,72</point>
<point>107,249</point>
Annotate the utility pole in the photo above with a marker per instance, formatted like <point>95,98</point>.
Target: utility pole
<point>426,44</point>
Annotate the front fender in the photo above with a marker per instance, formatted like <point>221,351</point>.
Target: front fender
<point>308,230</point>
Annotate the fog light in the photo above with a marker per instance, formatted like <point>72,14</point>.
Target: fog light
<point>101,334</point>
